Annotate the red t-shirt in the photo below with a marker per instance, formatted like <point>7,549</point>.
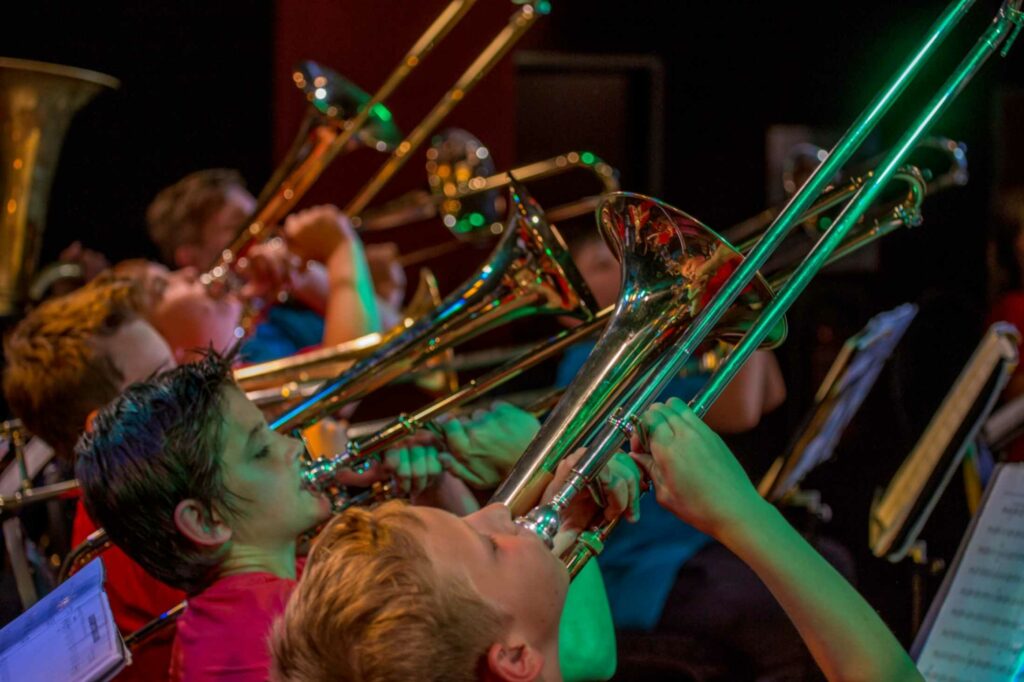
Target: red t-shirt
<point>223,633</point>
<point>135,598</point>
<point>1010,308</point>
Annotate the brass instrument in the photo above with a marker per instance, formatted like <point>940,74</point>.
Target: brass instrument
<point>420,205</point>
<point>953,155</point>
<point>325,363</point>
<point>704,288</point>
<point>450,197</point>
<point>529,272</point>
<point>334,104</point>
<point>286,378</point>
<point>37,102</point>
<point>321,475</point>
<point>339,114</point>
<point>520,22</point>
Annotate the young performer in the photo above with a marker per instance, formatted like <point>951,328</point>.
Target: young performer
<point>185,475</point>
<point>479,598</point>
<point>193,220</point>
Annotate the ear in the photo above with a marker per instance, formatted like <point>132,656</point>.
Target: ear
<point>208,530</point>
<point>514,663</point>
<point>186,255</point>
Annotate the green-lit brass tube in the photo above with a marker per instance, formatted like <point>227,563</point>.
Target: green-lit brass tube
<point>862,200</point>
<point>802,200</point>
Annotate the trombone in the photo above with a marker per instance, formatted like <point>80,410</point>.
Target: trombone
<point>708,286</point>
<point>340,113</point>
<point>323,475</point>
<point>529,272</point>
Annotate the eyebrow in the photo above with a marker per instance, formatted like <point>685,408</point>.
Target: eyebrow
<point>253,432</point>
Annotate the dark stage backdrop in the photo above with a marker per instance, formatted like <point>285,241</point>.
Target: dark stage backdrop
<point>207,83</point>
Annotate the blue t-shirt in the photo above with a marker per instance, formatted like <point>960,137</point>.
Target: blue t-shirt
<point>285,331</point>
<point>640,561</point>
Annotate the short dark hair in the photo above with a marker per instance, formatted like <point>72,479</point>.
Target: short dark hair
<point>56,374</point>
<point>177,214</point>
<point>154,446</point>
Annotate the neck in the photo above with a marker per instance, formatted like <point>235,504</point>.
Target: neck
<point>243,558</point>
<point>552,671</point>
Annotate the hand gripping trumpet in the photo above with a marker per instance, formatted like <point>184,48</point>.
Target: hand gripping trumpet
<point>610,416</point>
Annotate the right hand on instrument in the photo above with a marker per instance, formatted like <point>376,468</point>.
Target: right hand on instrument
<point>316,233</point>
<point>695,475</point>
<point>619,485</point>
<point>483,449</point>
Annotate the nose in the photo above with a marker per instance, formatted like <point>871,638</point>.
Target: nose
<point>499,518</point>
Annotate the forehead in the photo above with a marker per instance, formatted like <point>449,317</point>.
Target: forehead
<point>238,412</point>
<point>447,540</point>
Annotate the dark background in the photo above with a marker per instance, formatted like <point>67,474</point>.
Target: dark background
<point>207,84</point>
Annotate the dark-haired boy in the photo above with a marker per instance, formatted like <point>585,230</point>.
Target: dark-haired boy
<point>186,476</point>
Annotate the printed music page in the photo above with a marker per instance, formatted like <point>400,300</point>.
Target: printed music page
<point>68,635</point>
<point>977,634</point>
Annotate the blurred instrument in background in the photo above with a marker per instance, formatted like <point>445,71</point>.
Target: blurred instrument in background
<point>37,102</point>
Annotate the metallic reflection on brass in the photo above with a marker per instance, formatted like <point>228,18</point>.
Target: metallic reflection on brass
<point>37,101</point>
<point>672,266</point>
<point>529,272</point>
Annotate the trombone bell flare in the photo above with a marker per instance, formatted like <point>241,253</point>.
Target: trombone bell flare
<point>672,266</point>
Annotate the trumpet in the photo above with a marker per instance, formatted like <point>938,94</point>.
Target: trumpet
<point>698,290</point>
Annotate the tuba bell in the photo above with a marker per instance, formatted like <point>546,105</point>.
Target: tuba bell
<point>37,102</point>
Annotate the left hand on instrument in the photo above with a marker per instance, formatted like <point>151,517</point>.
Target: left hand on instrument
<point>316,233</point>
<point>482,450</point>
<point>414,464</point>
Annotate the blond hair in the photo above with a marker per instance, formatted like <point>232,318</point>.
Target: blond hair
<point>371,608</point>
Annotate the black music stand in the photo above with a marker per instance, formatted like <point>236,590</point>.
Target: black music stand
<point>847,384</point>
<point>898,514</point>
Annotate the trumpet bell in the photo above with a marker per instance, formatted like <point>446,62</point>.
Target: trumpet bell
<point>339,98</point>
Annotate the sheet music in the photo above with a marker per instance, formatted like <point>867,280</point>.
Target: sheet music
<point>978,632</point>
<point>68,635</point>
